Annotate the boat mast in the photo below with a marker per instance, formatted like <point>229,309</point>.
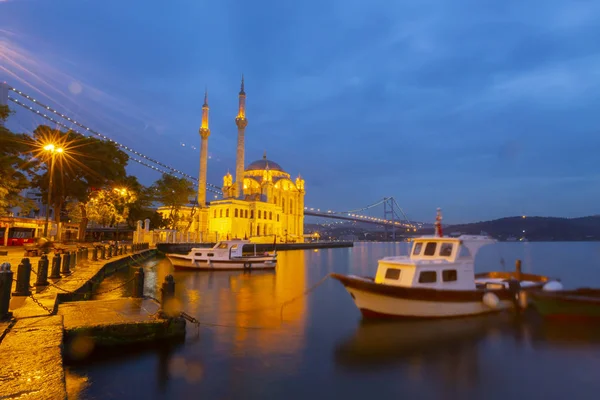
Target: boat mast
<point>438,223</point>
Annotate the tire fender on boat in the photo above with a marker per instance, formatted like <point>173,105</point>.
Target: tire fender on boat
<point>491,300</point>
<point>552,286</point>
<point>523,299</point>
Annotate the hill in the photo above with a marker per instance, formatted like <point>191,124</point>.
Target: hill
<point>534,228</point>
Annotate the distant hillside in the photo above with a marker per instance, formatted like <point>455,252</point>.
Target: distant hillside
<point>536,228</point>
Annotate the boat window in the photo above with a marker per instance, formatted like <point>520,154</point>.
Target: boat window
<point>198,254</point>
<point>210,254</point>
<point>446,250</point>
<point>222,246</point>
<point>428,276</point>
<point>417,249</point>
<point>392,273</point>
<point>449,275</point>
<point>430,249</point>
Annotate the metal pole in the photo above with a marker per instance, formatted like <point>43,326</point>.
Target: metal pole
<point>49,194</point>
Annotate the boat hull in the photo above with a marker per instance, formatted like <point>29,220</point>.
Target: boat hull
<point>385,301</point>
<point>582,304</point>
<point>245,264</point>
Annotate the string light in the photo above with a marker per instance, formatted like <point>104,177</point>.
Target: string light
<point>49,118</point>
<point>122,146</point>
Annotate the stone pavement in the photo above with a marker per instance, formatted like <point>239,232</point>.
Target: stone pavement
<point>32,343</point>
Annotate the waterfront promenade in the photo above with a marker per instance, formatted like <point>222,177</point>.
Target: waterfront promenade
<point>33,341</point>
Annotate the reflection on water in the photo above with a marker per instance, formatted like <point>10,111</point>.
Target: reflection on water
<point>321,349</point>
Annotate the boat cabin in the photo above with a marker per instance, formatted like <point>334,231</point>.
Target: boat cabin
<point>435,263</point>
<point>226,249</point>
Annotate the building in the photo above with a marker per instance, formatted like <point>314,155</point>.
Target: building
<point>261,203</point>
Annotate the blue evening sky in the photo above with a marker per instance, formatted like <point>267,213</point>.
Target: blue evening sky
<point>486,109</point>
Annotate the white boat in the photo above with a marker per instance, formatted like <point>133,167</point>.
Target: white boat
<point>228,255</point>
<point>437,280</point>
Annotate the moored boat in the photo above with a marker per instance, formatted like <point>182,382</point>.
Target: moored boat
<point>227,255</point>
<point>580,304</point>
<point>437,280</point>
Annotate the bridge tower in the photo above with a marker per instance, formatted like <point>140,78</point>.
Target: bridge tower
<point>241,123</point>
<point>204,134</point>
<point>389,215</point>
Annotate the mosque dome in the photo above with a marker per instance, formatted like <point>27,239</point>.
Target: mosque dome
<point>260,165</point>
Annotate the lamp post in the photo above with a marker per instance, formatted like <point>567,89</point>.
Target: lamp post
<point>53,151</point>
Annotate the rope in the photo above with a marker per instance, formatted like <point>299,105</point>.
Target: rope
<point>305,293</point>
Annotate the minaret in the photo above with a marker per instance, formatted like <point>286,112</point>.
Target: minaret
<point>204,134</point>
<point>241,123</point>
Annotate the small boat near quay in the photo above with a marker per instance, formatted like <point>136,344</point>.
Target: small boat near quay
<point>571,305</point>
<point>437,280</point>
<point>227,255</point>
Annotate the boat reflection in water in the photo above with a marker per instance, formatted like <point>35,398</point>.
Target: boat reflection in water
<point>379,343</point>
<point>573,336</point>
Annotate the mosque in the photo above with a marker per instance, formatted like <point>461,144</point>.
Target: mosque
<point>260,203</point>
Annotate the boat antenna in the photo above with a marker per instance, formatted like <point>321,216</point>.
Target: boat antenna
<point>438,223</point>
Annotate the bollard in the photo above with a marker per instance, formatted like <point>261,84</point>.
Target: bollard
<point>138,283</point>
<point>109,252</point>
<point>85,254</point>
<point>42,271</point>
<point>6,277</point>
<point>55,272</point>
<point>102,253</point>
<point>73,260</point>
<point>121,250</point>
<point>66,271</point>
<point>167,292</point>
<point>23,277</point>
<point>95,254</point>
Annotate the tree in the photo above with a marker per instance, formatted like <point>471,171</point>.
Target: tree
<point>173,192</point>
<point>86,164</point>
<point>15,168</point>
<point>109,206</point>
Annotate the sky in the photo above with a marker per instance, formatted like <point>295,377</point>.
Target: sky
<point>485,109</point>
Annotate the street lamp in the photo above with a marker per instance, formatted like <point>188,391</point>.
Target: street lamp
<point>53,152</point>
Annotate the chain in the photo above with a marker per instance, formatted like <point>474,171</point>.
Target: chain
<point>117,287</point>
<point>36,301</point>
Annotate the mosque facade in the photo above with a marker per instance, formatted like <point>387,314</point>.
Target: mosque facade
<point>262,202</point>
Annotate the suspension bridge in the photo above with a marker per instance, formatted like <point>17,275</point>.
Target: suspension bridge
<point>393,218</point>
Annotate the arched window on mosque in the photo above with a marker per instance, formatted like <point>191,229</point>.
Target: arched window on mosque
<point>291,206</point>
<point>270,215</point>
<point>236,213</point>
<point>215,214</point>
<point>245,213</point>
<point>277,217</point>
<point>257,230</point>
<point>251,214</point>
<point>282,206</point>
<point>221,213</point>
<point>259,214</point>
<point>227,213</point>
<point>275,200</point>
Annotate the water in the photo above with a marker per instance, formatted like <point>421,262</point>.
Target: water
<point>323,350</point>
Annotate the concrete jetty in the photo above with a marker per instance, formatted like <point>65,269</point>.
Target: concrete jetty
<point>52,321</point>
